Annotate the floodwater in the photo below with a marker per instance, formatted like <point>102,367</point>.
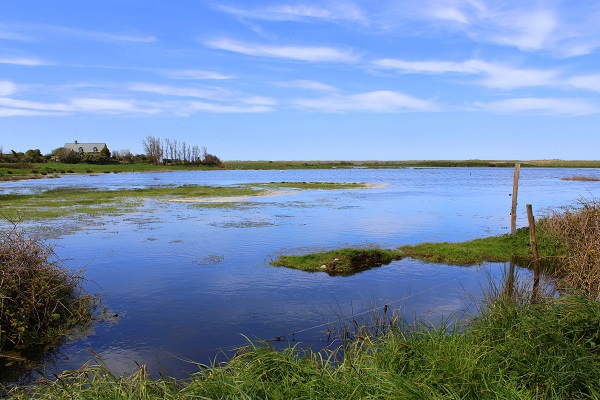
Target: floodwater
<point>192,283</point>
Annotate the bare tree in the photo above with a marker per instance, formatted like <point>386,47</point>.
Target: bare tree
<point>195,158</point>
<point>153,149</point>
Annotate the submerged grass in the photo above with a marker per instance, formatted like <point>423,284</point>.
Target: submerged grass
<point>583,178</point>
<point>61,202</point>
<point>512,350</point>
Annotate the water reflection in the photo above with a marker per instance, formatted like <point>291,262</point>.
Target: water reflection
<point>190,281</point>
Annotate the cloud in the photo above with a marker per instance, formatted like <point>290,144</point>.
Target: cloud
<point>344,11</point>
<point>37,32</point>
<point>7,88</point>
<point>193,107</point>
<point>381,101</point>
<point>196,74</point>
<point>498,76</point>
<point>550,26</point>
<point>540,106</point>
<point>27,62</point>
<point>166,90</point>
<point>308,85</point>
<point>15,112</point>
<point>4,35</point>
<point>299,53</point>
<point>587,82</point>
<point>34,105</point>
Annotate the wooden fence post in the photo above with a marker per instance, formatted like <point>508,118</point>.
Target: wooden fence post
<point>534,251</point>
<point>513,212</point>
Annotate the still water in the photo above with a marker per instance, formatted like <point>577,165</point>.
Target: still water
<point>191,283</point>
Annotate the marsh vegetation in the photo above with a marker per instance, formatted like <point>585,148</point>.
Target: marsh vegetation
<point>509,347</point>
<point>40,300</point>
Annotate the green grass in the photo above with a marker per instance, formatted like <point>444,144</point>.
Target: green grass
<point>341,261</point>
<point>491,249</point>
<point>512,350</point>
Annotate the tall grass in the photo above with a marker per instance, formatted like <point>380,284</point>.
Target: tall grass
<point>512,350</point>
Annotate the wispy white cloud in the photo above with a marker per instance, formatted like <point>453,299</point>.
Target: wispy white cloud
<point>170,100</point>
<point>494,75</point>
<point>6,35</point>
<point>298,53</point>
<point>167,90</point>
<point>551,26</point>
<point>308,85</point>
<point>193,107</point>
<point>309,12</point>
<point>24,61</point>
<point>39,32</point>
<point>540,106</point>
<point>16,112</point>
<point>196,74</point>
<point>382,101</point>
<point>586,82</point>
<point>34,105</point>
<point>212,94</point>
<point>7,88</point>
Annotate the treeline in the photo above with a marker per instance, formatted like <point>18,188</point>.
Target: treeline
<point>156,151</point>
<point>172,151</point>
<point>32,155</point>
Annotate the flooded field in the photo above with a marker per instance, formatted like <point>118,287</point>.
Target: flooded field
<point>191,280</point>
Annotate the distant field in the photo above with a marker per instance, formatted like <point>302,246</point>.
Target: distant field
<point>11,171</point>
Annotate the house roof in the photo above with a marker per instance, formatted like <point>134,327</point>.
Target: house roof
<point>85,147</point>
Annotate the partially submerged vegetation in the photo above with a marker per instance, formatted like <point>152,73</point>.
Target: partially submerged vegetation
<point>341,261</point>
<point>40,301</point>
<point>581,178</point>
<point>61,202</point>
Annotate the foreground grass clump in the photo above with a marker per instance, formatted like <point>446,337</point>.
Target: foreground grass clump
<point>339,261</point>
<point>512,350</point>
<point>39,300</point>
<point>577,229</point>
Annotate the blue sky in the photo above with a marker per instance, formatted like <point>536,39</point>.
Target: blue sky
<point>305,80</point>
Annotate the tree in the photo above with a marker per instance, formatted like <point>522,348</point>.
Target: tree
<point>105,151</point>
<point>35,156</point>
<point>66,156</point>
<point>153,149</point>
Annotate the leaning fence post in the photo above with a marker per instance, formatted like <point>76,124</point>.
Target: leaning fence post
<point>513,211</point>
<point>534,250</point>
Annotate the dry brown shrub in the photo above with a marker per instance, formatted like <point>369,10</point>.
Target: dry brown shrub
<point>577,229</point>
